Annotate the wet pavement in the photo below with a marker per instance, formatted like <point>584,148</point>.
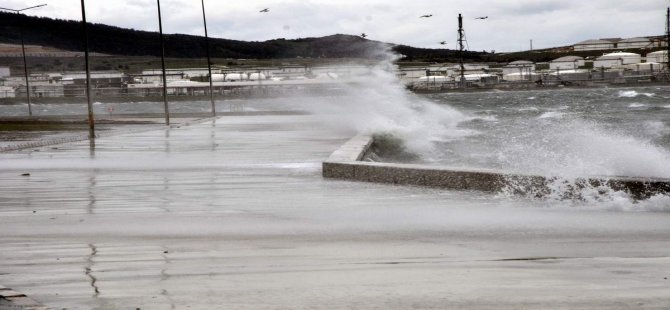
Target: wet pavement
<point>234,214</point>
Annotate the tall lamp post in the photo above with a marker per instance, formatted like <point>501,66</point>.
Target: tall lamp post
<point>91,119</point>
<point>23,51</point>
<point>209,61</point>
<point>160,29</point>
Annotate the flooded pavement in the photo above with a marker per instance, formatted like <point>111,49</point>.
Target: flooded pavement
<point>234,213</point>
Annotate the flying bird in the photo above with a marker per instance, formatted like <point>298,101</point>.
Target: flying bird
<point>443,42</point>
<point>363,35</point>
<point>265,10</point>
<point>426,16</point>
<point>483,17</point>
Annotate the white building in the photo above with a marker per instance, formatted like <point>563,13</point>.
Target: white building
<point>567,63</point>
<point>81,75</point>
<point>7,92</point>
<point>185,72</point>
<point>522,68</point>
<point>434,79</point>
<point>527,76</point>
<point>634,43</point>
<point>658,56</point>
<point>591,45</point>
<point>617,60</point>
<point>645,66</point>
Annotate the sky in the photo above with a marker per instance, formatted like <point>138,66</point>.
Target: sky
<point>510,26</point>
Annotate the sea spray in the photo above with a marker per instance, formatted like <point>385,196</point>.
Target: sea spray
<point>379,103</point>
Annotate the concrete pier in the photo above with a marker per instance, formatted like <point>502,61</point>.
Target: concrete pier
<point>345,163</point>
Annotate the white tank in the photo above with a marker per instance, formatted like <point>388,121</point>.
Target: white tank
<point>233,77</point>
<point>217,77</point>
<point>256,76</point>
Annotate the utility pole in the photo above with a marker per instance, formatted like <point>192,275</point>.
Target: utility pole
<point>25,70</point>
<point>209,61</point>
<point>23,52</point>
<point>91,119</point>
<point>461,38</point>
<point>531,44</point>
<point>667,32</point>
<point>165,100</point>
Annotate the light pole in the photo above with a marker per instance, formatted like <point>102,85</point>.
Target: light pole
<point>160,29</point>
<point>91,119</point>
<point>209,62</point>
<point>23,52</point>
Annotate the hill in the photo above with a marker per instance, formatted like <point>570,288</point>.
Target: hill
<point>105,39</point>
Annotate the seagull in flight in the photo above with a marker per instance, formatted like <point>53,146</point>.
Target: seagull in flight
<point>426,16</point>
<point>483,17</point>
<point>363,35</point>
<point>265,10</point>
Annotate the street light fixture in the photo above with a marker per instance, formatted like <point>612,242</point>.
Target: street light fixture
<point>23,52</point>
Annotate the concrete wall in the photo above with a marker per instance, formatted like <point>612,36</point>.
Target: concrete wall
<point>345,163</point>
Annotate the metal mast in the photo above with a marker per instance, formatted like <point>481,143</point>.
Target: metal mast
<point>209,61</point>
<point>667,32</point>
<point>91,118</point>
<point>461,38</point>
<point>160,29</point>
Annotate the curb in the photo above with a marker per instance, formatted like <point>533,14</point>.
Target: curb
<point>10,299</point>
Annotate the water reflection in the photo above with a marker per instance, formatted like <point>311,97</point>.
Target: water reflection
<point>91,146</point>
<point>165,277</point>
<point>89,270</point>
<point>92,182</point>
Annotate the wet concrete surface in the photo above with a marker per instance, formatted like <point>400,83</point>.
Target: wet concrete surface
<point>234,214</point>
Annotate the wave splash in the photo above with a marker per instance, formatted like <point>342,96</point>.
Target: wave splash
<point>580,192</point>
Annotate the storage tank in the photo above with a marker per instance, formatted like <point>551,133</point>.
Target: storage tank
<point>658,56</point>
<point>217,77</point>
<point>618,59</point>
<point>234,77</point>
<point>256,76</point>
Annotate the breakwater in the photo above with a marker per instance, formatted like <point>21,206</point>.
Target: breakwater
<point>347,163</point>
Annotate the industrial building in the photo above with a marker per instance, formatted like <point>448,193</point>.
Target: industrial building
<point>7,92</point>
<point>633,43</point>
<point>594,45</point>
<point>658,57</point>
<point>518,70</point>
<point>567,63</point>
<point>617,60</point>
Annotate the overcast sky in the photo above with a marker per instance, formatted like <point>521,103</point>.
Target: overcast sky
<point>510,26</point>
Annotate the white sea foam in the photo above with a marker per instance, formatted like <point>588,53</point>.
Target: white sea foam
<point>633,94</point>
<point>577,192</point>
<point>575,148</point>
<point>380,103</point>
<point>655,128</point>
<point>485,118</point>
<point>635,105</point>
<point>528,109</point>
<point>551,114</point>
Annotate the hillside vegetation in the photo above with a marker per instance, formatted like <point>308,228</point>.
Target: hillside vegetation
<point>67,35</point>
